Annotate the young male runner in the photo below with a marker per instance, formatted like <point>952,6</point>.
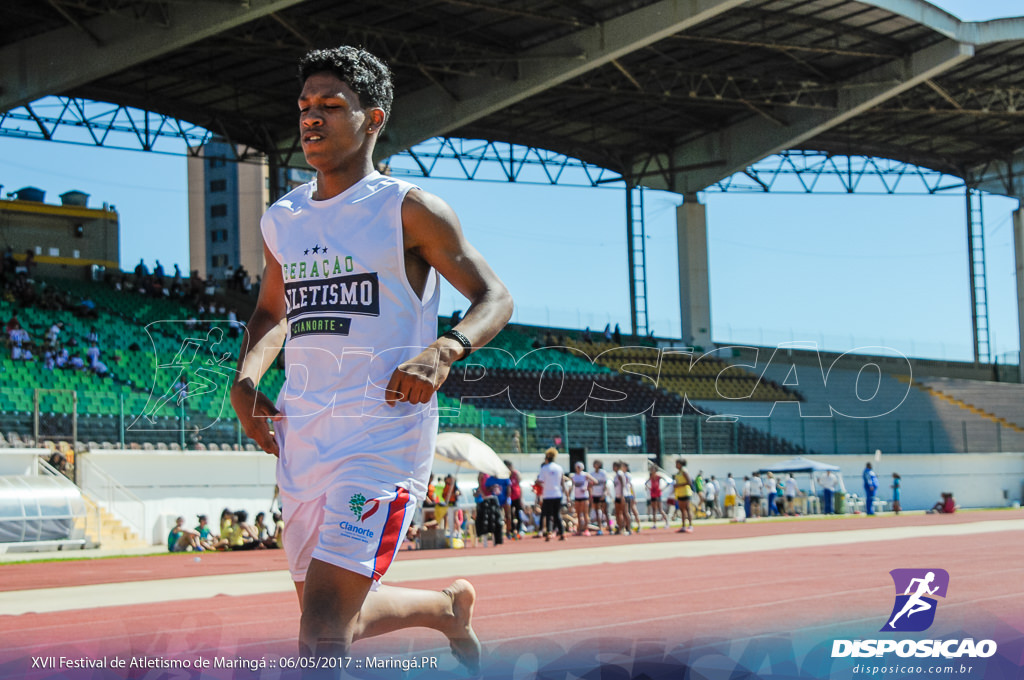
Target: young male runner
<point>350,283</point>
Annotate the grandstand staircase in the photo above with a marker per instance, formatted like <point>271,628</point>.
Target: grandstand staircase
<point>111,533</point>
<point>950,399</point>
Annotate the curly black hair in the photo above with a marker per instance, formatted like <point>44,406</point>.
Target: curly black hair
<point>367,75</point>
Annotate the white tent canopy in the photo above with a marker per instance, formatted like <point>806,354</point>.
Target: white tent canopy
<point>807,466</point>
<point>468,451</point>
<point>799,464</point>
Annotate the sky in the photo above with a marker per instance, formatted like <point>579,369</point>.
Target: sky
<point>841,271</point>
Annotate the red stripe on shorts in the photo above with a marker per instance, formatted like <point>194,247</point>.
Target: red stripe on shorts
<point>391,538</point>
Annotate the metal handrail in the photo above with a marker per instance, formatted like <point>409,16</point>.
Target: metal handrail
<point>119,501</point>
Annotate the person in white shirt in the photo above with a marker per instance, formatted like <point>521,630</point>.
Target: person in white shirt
<point>828,484</point>
<point>582,483</point>
<point>792,491</point>
<point>730,495</point>
<point>711,498</point>
<point>551,477</point>
<point>756,493</point>
<point>599,499</point>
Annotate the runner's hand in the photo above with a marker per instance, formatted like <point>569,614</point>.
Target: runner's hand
<point>414,381</point>
<point>254,409</point>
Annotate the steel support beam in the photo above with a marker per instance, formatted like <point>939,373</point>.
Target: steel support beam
<point>435,111</point>
<point>693,166</point>
<point>58,61</point>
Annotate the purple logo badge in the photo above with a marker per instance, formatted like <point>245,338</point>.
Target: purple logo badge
<point>916,590</point>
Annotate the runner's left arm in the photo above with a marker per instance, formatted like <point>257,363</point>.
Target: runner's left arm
<point>434,236</point>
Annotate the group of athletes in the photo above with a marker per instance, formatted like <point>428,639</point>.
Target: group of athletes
<point>595,501</point>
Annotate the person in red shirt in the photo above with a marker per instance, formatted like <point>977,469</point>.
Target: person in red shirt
<point>515,495</point>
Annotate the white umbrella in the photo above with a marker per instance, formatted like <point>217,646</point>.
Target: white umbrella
<point>466,450</point>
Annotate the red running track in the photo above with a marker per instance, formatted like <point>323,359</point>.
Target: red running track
<point>820,593</point>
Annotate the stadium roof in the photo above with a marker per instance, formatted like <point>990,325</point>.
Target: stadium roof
<point>676,94</point>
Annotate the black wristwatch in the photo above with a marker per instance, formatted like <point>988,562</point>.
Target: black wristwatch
<point>461,339</point>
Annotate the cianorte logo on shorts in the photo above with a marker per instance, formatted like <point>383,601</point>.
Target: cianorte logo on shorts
<point>362,510</point>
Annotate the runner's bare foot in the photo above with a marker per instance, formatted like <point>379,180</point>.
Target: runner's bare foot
<point>463,641</point>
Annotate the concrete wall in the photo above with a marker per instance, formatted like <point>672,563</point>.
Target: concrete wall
<point>172,483</point>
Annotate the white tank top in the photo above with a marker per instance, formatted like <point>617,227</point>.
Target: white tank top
<point>579,486</point>
<point>352,319</point>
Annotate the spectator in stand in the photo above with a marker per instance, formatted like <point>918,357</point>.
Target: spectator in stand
<point>28,267</point>
<point>87,309</point>
<point>92,354</point>
<point>158,270</point>
<point>617,335</point>
<point>181,538</point>
<point>180,390</point>
<point>141,270</point>
<point>61,358</point>
<point>234,327</point>
<point>13,324</point>
<point>53,335</point>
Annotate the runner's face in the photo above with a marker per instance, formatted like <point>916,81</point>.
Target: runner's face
<point>333,125</point>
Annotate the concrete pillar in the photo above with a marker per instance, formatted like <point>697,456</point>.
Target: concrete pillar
<point>1018,252</point>
<point>694,282</point>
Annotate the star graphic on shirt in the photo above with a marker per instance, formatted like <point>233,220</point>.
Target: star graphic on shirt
<point>316,249</point>
<point>306,251</point>
<point>325,250</point>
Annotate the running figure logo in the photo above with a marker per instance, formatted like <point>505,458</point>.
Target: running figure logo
<point>914,610</point>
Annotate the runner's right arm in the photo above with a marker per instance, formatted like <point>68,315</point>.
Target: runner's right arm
<point>264,337</point>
